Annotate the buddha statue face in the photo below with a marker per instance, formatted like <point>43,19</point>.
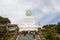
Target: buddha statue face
<point>28,13</point>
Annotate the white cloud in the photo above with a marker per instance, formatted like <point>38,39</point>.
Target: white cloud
<point>45,9</point>
<point>56,4</point>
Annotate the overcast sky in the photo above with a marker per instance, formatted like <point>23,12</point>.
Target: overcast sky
<point>44,11</point>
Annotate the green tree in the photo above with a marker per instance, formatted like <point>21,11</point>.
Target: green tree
<point>45,26</point>
<point>58,27</point>
<point>4,20</point>
<point>49,35</point>
<point>49,26</point>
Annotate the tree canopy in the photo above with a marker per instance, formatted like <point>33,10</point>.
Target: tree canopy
<point>49,26</point>
<point>58,27</point>
<point>4,20</point>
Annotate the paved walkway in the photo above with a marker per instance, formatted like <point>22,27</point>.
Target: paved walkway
<point>28,37</point>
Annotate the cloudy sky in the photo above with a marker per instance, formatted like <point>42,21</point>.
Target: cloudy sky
<point>44,11</point>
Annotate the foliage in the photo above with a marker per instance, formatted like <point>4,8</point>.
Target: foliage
<point>58,27</point>
<point>49,35</point>
<point>49,26</point>
<point>4,20</point>
<point>45,26</point>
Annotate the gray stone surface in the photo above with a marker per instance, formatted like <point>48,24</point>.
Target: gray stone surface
<point>28,37</point>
